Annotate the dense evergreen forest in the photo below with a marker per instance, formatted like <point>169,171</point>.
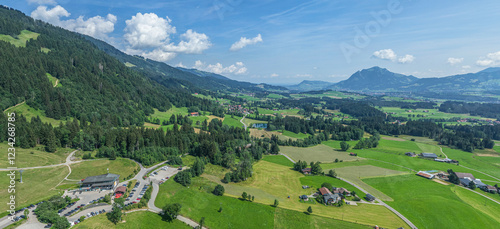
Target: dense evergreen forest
<point>487,110</point>
<point>95,85</point>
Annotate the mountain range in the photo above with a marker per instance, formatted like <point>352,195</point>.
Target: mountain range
<point>380,79</point>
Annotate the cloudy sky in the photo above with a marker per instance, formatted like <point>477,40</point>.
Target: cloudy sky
<point>285,42</point>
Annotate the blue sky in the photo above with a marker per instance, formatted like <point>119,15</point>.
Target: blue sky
<point>285,42</point>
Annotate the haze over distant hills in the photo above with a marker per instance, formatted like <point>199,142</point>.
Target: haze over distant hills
<point>381,79</point>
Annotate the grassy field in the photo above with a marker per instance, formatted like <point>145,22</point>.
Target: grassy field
<point>432,114</point>
<point>272,181</point>
<point>140,219</point>
<point>21,39</point>
<point>283,112</point>
<point>166,114</point>
<point>294,135</point>
<point>431,205</point>
<point>30,112</point>
<point>232,121</point>
<point>120,166</point>
<point>33,156</point>
<point>53,80</point>
<point>38,184</point>
<point>321,153</point>
<point>336,144</point>
<point>197,202</point>
<point>284,218</point>
<point>356,173</point>
<point>278,159</point>
<point>267,134</point>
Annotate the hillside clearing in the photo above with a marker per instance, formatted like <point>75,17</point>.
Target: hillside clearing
<point>120,166</point>
<point>321,153</point>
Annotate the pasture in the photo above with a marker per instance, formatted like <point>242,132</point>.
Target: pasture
<point>120,166</point>
<point>21,39</point>
<point>232,121</point>
<point>272,181</point>
<point>278,159</point>
<point>139,219</point>
<point>33,156</point>
<point>29,112</point>
<point>294,135</point>
<point>431,205</point>
<point>432,114</point>
<point>38,184</point>
<point>284,218</point>
<point>197,202</point>
<point>54,80</point>
<point>165,115</point>
<point>321,153</point>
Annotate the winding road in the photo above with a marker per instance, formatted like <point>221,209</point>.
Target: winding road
<point>245,125</point>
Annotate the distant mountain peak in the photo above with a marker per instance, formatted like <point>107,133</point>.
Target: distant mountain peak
<point>491,69</point>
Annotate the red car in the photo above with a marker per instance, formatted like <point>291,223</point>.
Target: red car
<point>134,202</point>
<point>138,198</point>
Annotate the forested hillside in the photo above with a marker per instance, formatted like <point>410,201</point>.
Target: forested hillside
<point>96,85</point>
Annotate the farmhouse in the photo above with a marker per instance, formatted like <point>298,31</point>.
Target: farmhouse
<point>428,155</point>
<point>369,197</point>
<point>324,191</point>
<point>479,184</point>
<point>105,181</point>
<point>410,154</point>
<point>464,175</point>
<point>490,188</point>
<point>341,191</point>
<point>194,114</point>
<point>425,174</point>
<point>331,198</point>
<point>465,182</point>
<point>306,171</point>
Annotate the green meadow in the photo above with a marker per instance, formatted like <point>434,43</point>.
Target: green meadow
<point>429,204</point>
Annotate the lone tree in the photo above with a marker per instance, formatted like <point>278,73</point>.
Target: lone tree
<point>327,185</point>
<point>115,215</point>
<point>276,203</point>
<point>244,195</point>
<point>472,185</point>
<point>309,210</point>
<point>219,190</point>
<point>82,218</point>
<point>344,146</point>
<point>332,173</point>
<point>170,211</point>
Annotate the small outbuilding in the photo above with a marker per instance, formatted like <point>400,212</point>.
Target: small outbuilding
<point>306,171</point>
<point>369,197</point>
<point>429,155</point>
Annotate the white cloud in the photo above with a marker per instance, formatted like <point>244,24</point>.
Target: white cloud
<point>492,59</point>
<point>406,59</point>
<point>237,69</point>
<point>274,75</point>
<point>192,42</point>
<point>389,54</point>
<point>148,31</point>
<point>98,27</point>
<point>150,36</point>
<point>453,61</point>
<point>42,2</point>
<point>385,54</point>
<point>180,65</point>
<point>244,42</point>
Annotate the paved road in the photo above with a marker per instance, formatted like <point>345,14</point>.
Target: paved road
<point>407,221</point>
<point>67,163</point>
<point>288,158</point>
<point>245,125</point>
<point>479,194</point>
